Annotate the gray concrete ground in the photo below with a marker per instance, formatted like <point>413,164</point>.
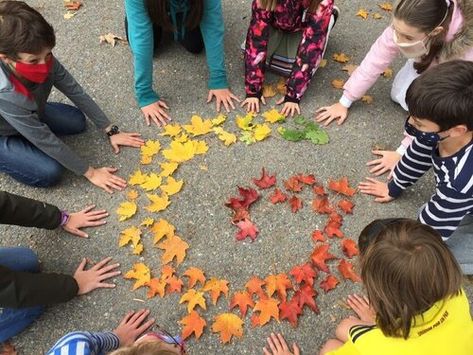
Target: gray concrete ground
<point>197,212</point>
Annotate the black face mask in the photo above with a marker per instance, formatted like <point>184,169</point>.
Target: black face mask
<point>427,138</point>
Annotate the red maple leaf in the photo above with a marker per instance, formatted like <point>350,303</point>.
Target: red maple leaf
<point>341,186</point>
<point>240,214</point>
<point>265,181</point>
<point>318,236</point>
<point>346,269</point>
<point>277,197</point>
<point>349,248</point>
<point>293,184</point>
<point>247,197</point>
<point>306,296</point>
<point>303,273</point>
<point>329,283</point>
<point>247,229</point>
<point>306,179</point>
<point>295,203</point>
<point>332,228</point>
<point>321,204</point>
<point>319,190</point>
<point>320,255</point>
<point>346,206</point>
<point>291,311</point>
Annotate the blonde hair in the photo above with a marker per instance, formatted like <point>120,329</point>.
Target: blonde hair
<point>270,5</point>
<point>144,348</point>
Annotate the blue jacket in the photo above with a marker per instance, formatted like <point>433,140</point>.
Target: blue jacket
<point>140,35</point>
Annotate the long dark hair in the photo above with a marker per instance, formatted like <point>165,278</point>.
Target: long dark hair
<point>426,15</point>
<point>158,12</point>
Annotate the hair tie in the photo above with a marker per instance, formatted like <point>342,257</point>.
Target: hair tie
<point>448,2</point>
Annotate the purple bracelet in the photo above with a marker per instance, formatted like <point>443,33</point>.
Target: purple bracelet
<point>64,217</point>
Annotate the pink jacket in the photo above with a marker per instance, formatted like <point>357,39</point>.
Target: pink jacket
<point>384,51</point>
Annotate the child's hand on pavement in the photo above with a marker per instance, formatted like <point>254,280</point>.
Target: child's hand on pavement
<point>289,108</point>
<point>85,218</point>
<point>278,346</point>
<point>156,112</point>
<point>132,326</point>
<point>127,140</point>
<point>222,96</point>
<point>375,188</point>
<point>361,306</point>
<point>330,113</point>
<point>252,104</point>
<point>91,279</point>
<point>105,179</point>
<point>386,163</point>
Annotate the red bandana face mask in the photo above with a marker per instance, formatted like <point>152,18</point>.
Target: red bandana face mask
<point>36,73</point>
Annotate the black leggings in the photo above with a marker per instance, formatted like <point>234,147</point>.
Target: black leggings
<point>192,42</point>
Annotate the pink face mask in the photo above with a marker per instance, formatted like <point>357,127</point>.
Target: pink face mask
<point>414,49</point>
<point>36,73</point>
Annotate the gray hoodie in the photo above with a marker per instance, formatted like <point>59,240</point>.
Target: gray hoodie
<point>21,115</point>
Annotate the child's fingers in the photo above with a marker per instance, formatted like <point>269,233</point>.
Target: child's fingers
<point>145,326</point>
<point>126,318</point>
<point>374,162</point>
<point>295,348</point>
<point>105,285</point>
<point>263,100</point>
<point>104,269</point>
<point>209,97</point>
<point>108,275</point>
<point>271,344</point>
<point>101,263</point>
<point>235,97</point>
<point>88,209</point>
<point>135,320</point>
<point>266,352</point>
<point>230,101</point>
<point>282,342</point>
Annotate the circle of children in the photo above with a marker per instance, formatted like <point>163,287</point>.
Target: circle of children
<point>411,269</point>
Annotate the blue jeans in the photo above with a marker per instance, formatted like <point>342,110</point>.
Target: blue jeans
<point>15,320</point>
<point>27,164</point>
<point>461,244</point>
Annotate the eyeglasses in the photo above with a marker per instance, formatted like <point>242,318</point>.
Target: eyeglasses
<point>165,336</point>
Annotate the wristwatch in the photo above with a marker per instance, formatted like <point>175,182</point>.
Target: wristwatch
<point>114,130</point>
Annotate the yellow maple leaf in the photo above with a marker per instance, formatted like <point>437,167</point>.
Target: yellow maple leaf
<point>388,73</point>
<point>216,287</point>
<point>179,152</point>
<point>340,57</point>
<point>126,210</point>
<point>386,6</point>
<point>226,137</point>
<point>261,131</point>
<point>162,229</point>
<point>146,159</point>
<point>228,325</point>
<point>245,122</point>
<point>377,16</point>
<point>338,83</point>
<point>198,126</point>
<point>140,273</point>
<point>147,222</point>
<point>193,298</point>
<point>172,186</point>
<point>182,138</point>
<point>137,178</point>
<point>168,168</point>
<point>138,249</point>
<point>174,247</point>
<point>269,90</point>
<point>153,181</point>
<point>273,116</point>
<point>219,120</point>
<point>159,203</point>
<point>200,147</point>
<point>362,13</point>
<point>171,130</point>
<point>131,234</point>
<point>323,63</point>
<point>132,195</point>
<point>367,99</point>
<point>150,148</point>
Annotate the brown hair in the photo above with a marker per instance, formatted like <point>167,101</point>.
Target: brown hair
<point>405,272</point>
<point>23,30</point>
<point>158,12</point>
<point>444,95</point>
<point>270,5</point>
<point>144,348</point>
<point>426,15</point>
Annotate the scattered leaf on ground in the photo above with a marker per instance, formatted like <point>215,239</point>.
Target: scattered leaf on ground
<point>195,275</point>
<point>158,203</point>
<point>247,229</point>
<point>303,273</point>
<point>172,186</point>
<point>349,68</point>
<point>174,247</point>
<point>193,323</point>
<point>265,181</point>
<point>305,296</point>
<point>319,257</point>
<point>346,206</point>
<point>338,83</point>
<point>243,300</point>
<point>278,283</point>
<point>273,116</point>
<point>110,38</point>
<point>346,269</point>
<point>140,273</point>
<point>329,283</point>
<point>386,6</point>
<point>295,203</point>
<point>198,126</point>
<point>340,57</point>
<point>349,248</point>
<point>290,311</point>
<point>126,210</point>
<point>254,286</point>
<point>341,186</point>
<point>268,308</point>
<point>362,13</point>
<point>277,196</point>
<point>318,236</point>
<point>228,325</point>
<point>216,287</point>
<point>193,298</point>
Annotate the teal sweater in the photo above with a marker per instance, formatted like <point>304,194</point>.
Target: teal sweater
<point>140,33</point>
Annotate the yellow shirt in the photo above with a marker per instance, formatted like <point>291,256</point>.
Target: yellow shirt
<point>446,328</point>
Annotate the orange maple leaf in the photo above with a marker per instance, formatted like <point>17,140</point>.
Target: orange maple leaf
<point>254,286</point>
<point>290,311</point>
<point>193,323</point>
<point>155,287</point>
<point>174,285</point>
<point>346,269</point>
<point>341,186</point>
<point>174,247</point>
<point>228,325</point>
<point>320,255</point>
<point>329,283</point>
<point>167,271</point>
<point>268,308</point>
<point>195,275</point>
<point>349,248</point>
<point>279,283</point>
<point>243,300</point>
<point>216,287</point>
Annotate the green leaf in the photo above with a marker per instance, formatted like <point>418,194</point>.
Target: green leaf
<point>247,137</point>
<point>300,120</point>
<point>291,134</point>
<point>317,136</point>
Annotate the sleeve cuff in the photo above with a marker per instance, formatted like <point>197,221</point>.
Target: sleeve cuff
<point>401,150</point>
<point>218,82</point>
<point>148,99</point>
<point>394,190</point>
<point>345,101</point>
<point>257,95</point>
<point>291,99</point>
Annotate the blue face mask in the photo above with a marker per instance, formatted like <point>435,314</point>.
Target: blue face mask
<point>426,138</point>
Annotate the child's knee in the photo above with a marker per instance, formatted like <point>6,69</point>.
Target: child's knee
<point>49,175</point>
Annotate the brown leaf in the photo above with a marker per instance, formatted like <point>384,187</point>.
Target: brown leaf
<point>349,68</point>
<point>377,16</point>
<point>338,83</point>
<point>388,73</point>
<point>362,13</point>
<point>110,38</point>
<point>340,57</point>
<point>269,90</point>
<point>367,99</point>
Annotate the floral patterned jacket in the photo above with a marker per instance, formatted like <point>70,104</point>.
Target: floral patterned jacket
<point>288,16</point>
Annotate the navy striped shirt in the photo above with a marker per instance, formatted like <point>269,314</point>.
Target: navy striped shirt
<point>453,198</point>
<point>85,343</point>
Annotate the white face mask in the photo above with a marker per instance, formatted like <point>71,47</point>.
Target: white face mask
<point>414,49</point>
